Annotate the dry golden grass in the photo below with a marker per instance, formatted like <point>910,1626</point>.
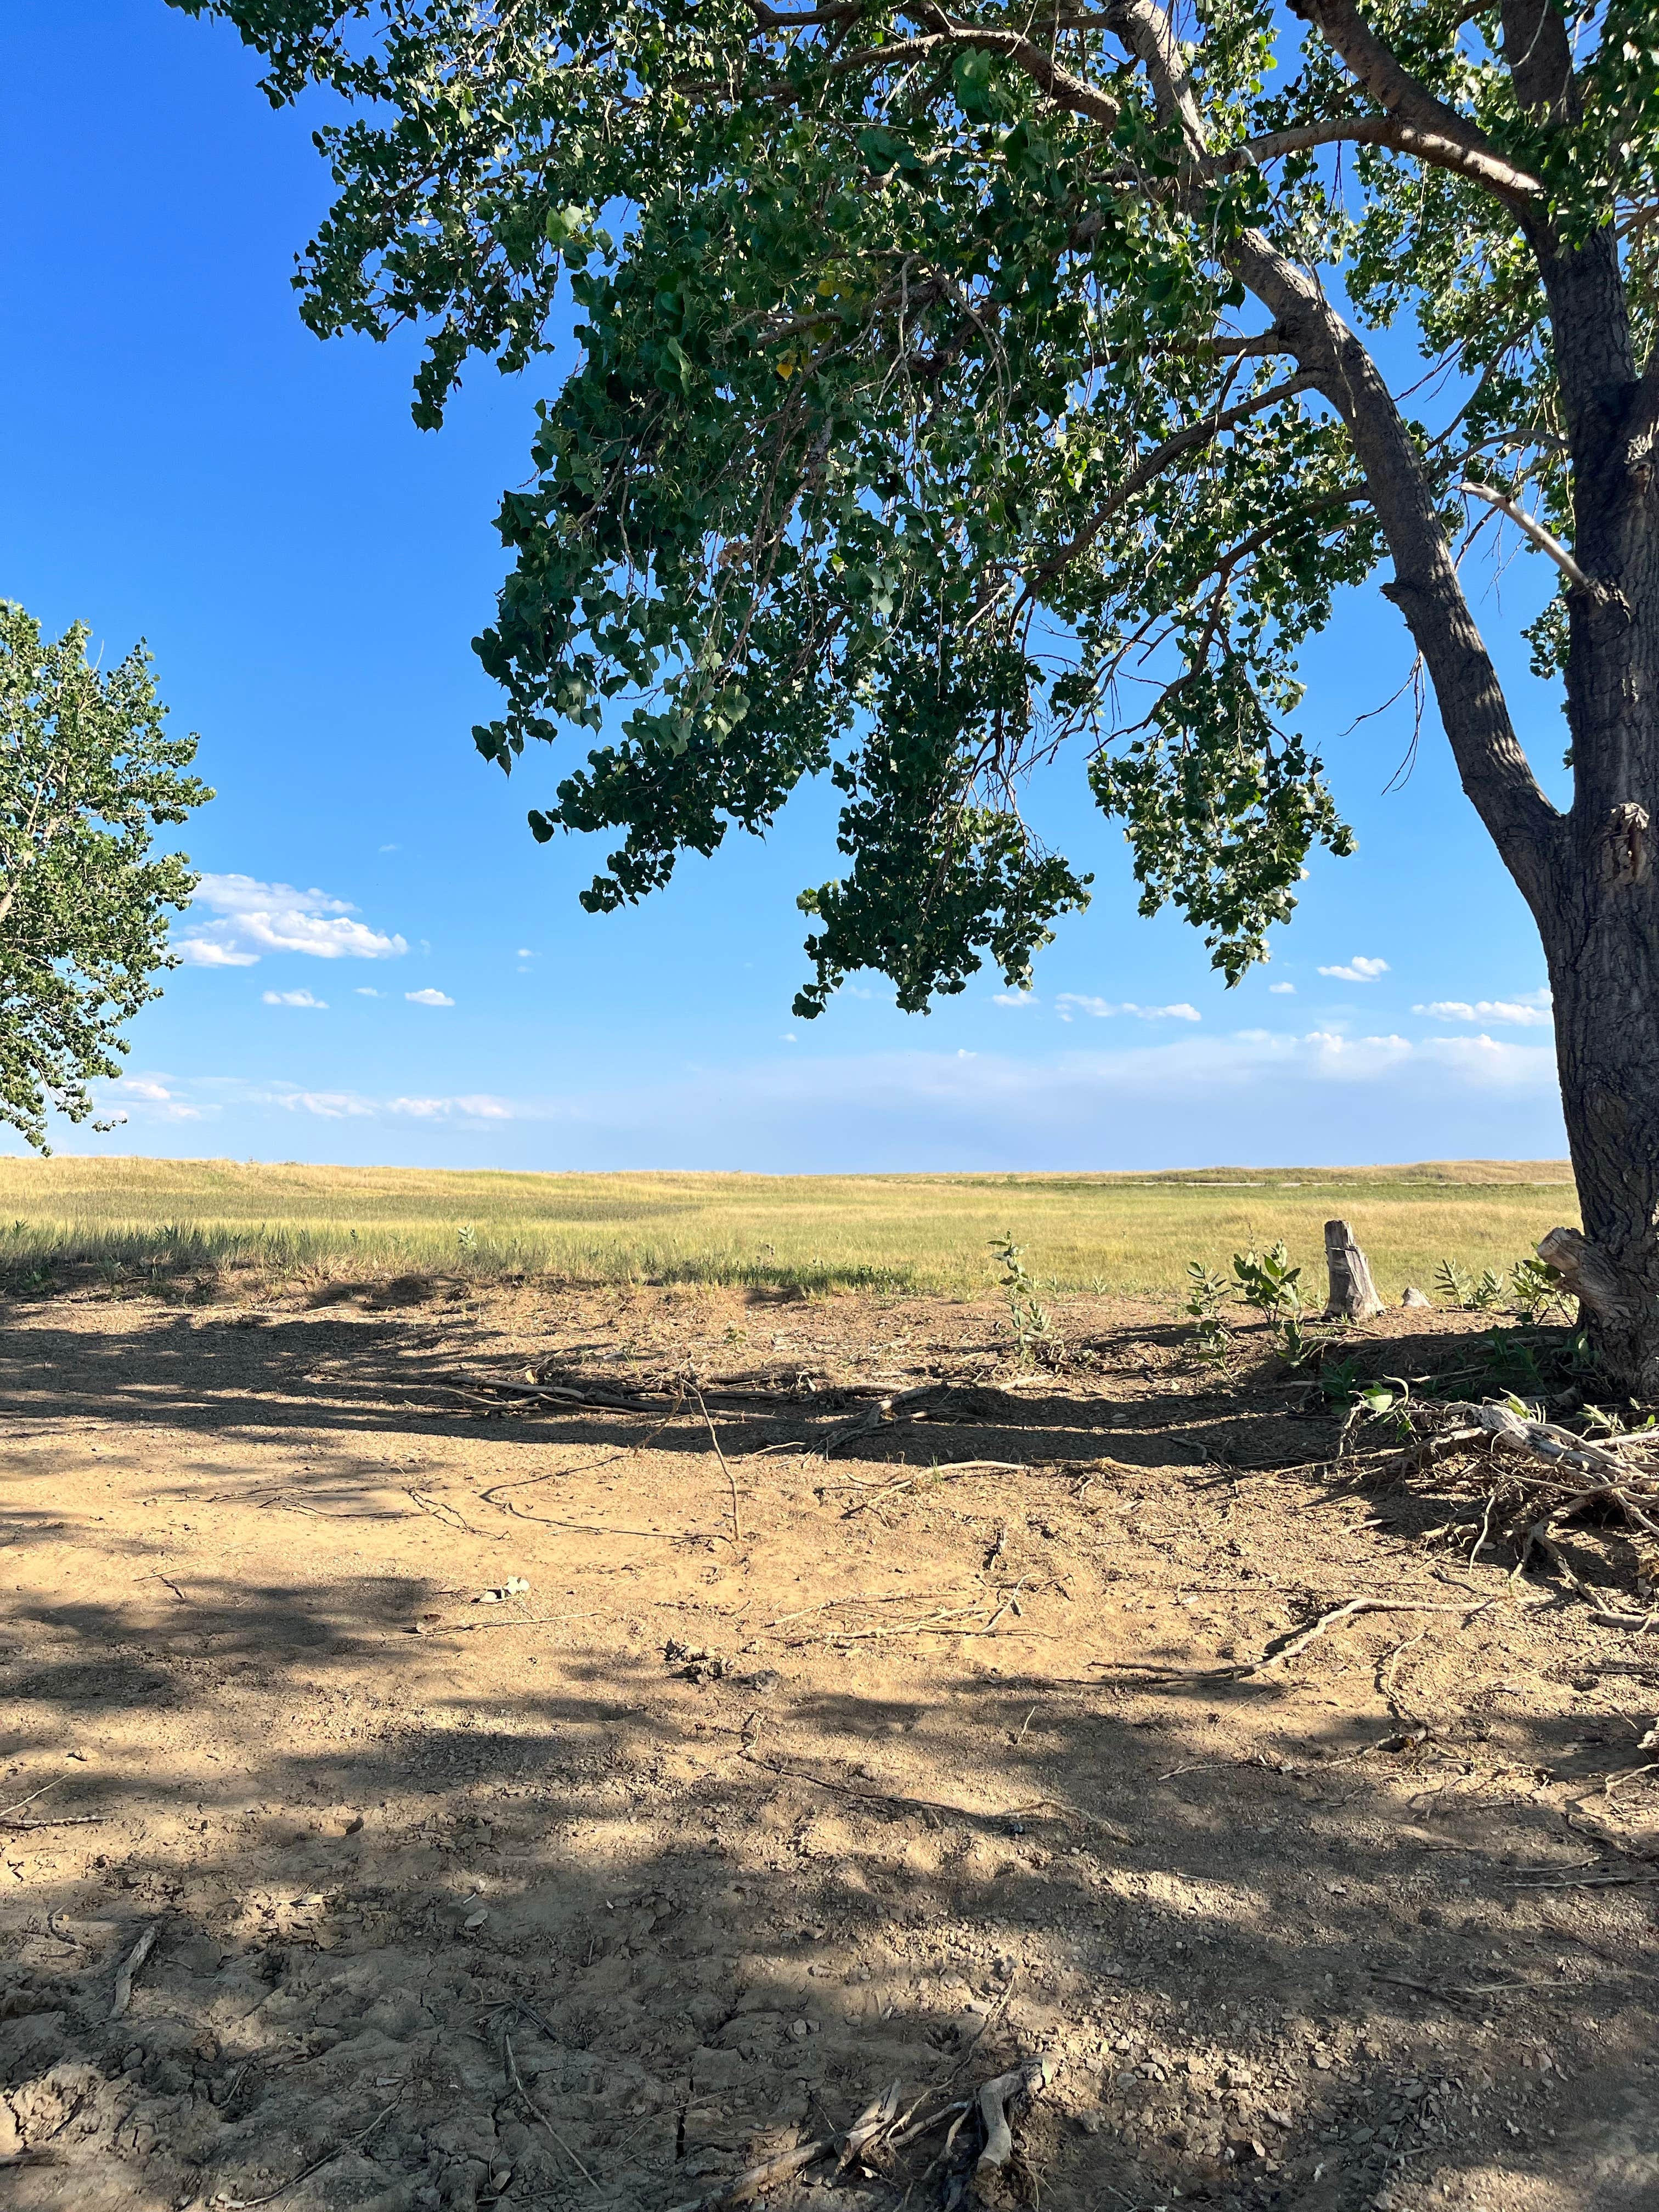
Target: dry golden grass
<point>1102,1233</point>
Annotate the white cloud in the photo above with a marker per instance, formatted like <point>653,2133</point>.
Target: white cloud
<point>1069,1002</point>
<point>1015,999</point>
<point>294,998</point>
<point>1359,969</point>
<point>366,991</point>
<point>251,918</point>
<point>327,1105</point>
<point>476,1106</point>
<point>525,953</point>
<point>391,848</point>
<point>1283,990</point>
<point>1529,1011</point>
<point>428,998</point>
<point>140,1087</point>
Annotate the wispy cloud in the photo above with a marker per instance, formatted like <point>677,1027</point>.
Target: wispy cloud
<point>366,991</point>
<point>250,919</point>
<point>475,1106</point>
<point>1184,1096</point>
<point>428,998</point>
<point>1015,999</point>
<point>1359,969</point>
<point>294,998</point>
<point>1531,1010</point>
<point>1283,990</point>
<point>1073,1002</point>
<point>354,1105</point>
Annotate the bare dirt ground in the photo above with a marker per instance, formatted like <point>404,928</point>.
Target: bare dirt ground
<point>772,1787</point>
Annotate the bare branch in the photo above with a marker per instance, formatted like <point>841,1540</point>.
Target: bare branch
<point>1530,527</point>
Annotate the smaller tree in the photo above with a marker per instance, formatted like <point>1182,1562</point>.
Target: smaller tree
<point>87,776</point>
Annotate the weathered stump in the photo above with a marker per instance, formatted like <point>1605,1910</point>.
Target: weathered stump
<point>1353,1294</point>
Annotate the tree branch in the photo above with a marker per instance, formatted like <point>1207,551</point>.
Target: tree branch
<point>1498,174</point>
<point>1405,99</point>
<point>1491,761</point>
<point>1183,442</point>
<point>1530,527</point>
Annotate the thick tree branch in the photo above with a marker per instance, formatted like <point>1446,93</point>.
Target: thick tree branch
<point>1492,170</point>
<point>1061,87</point>
<point>1491,763</point>
<point>1405,98</point>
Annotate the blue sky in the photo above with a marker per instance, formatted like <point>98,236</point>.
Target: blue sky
<point>183,461</point>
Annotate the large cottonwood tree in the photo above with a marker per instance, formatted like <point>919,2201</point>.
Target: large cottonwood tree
<point>964,381</point>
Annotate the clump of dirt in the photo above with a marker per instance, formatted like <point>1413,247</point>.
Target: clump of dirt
<point>551,1780</point>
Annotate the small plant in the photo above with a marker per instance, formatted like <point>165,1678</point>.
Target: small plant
<point>1536,1291</point>
<point>1033,1330</point>
<point>467,1237</point>
<point>1340,1380</point>
<point>1452,1286</point>
<point>1469,1293</point>
<point>1296,1346</point>
<point>1268,1281</point>
<point>1206,1294</point>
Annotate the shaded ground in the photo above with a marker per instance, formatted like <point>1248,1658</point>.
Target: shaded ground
<point>726,1825</point>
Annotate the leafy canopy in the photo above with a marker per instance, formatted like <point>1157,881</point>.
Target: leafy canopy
<point>934,412</point>
<point>87,776</point>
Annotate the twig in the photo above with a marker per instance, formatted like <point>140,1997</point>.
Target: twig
<point>519,2084</point>
<point>731,1478</point>
<point>933,1474</point>
<point>844,2145</point>
<point>33,1795</point>
<point>130,1967</point>
<point>1040,1805</point>
<point>1276,1656</point>
<point>351,2142</point>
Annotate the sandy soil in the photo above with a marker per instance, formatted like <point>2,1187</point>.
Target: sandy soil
<point>595,1894</point>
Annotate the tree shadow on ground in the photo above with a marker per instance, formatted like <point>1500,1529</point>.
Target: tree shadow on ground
<point>712,1915</point>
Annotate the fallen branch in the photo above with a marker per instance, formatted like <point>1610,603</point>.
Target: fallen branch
<point>1009,2093</point>
<point>129,1968</point>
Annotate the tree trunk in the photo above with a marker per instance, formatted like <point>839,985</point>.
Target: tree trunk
<point>1603,951</point>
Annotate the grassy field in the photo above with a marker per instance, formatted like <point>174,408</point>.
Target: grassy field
<point>819,1233</point>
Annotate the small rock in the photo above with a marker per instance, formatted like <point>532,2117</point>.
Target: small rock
<point>1413,1297</point>
<point>474,1919</point>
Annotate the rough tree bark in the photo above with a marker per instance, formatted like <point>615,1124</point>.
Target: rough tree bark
<point>1353,1293</point>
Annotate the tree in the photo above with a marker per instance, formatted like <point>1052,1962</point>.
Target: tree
<point>87,776</point>
<point>962,381</point>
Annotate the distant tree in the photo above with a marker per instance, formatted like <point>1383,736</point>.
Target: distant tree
<point>963,380</point>
<point>86,777</point>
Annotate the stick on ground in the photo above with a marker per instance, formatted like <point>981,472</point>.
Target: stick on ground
<point>129,1969</point>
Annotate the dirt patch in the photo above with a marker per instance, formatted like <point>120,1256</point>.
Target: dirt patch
<point>722,1832</point>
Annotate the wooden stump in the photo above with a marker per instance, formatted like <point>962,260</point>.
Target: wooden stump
<point>1354,1295</point>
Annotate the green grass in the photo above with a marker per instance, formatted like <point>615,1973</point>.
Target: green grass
<point>817,1233</point>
